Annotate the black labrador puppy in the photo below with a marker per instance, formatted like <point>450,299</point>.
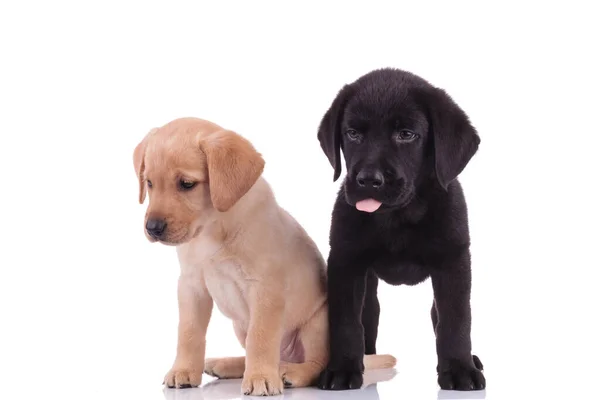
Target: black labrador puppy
<point>400,216</point>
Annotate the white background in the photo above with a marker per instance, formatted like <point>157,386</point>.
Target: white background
<point>88,306</point>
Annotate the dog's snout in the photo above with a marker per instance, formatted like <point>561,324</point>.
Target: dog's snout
<point>156,227</point>
<point>370,178</point>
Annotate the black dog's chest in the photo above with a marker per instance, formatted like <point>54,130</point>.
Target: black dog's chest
<point>400,240</point>
<point>401,273</point>
<point>401,257</point>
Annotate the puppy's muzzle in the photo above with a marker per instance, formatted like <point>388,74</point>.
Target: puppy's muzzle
<point>370,179</point>
<point>156,228</point>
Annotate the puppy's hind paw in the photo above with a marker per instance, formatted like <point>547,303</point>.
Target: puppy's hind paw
<point>300,375</point>
<point>225,368</point>
<point>478,363</point>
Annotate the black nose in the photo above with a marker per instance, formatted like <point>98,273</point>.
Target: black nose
<point>156,227</point>
<point>370,178</point>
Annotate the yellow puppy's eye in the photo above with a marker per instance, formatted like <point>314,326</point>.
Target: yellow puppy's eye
<point>186,185</point>
<point>149,183</point>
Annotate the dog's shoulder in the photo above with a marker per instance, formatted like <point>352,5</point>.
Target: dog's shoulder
<point>448,217</point>
<point>269,229</point>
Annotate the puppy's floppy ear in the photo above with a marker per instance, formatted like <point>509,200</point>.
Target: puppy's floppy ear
<point>234,166</point>
<point>455,140</point>
<point>330,135</point>
<point>138,163</point>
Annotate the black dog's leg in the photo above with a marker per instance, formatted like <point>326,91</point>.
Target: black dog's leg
<point>346,284</point>
<point>457,369</point>
<point>370,313</point>
<point>434,321</point>
<point>434,317</point>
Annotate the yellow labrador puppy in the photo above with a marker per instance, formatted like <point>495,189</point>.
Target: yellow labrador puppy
<point>238,249</point>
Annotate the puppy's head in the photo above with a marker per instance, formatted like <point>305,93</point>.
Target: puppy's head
<point>396,132</point>
<point>191,170</point>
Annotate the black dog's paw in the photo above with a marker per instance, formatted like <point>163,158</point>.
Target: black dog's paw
<point>347,376</point>
<point>457,375</point>
<point>478,363</point>
<point>340,380</point>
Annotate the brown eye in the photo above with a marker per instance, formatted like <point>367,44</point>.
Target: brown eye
<point>149,183</point>
<point>186,185</point>
<point>353,134</point>
<point>406,136</point>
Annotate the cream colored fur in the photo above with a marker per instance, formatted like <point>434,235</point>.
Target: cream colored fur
<point>249,257</point>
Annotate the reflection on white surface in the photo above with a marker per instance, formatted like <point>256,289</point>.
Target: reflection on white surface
<point>453,394</point>
<point>229,389</point>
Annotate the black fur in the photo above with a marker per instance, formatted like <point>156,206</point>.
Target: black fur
<point>420,231</point>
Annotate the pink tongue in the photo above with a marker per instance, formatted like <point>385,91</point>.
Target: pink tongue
<point>368,205</point>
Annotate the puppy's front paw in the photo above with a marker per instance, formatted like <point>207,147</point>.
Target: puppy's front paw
<point>262,384</point>
<point>348,375</point>
<point>183,378</point>
<point>458,375</point>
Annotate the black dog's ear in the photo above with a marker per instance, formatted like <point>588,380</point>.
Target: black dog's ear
<point>329,130</point>
<point>455,139</point>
